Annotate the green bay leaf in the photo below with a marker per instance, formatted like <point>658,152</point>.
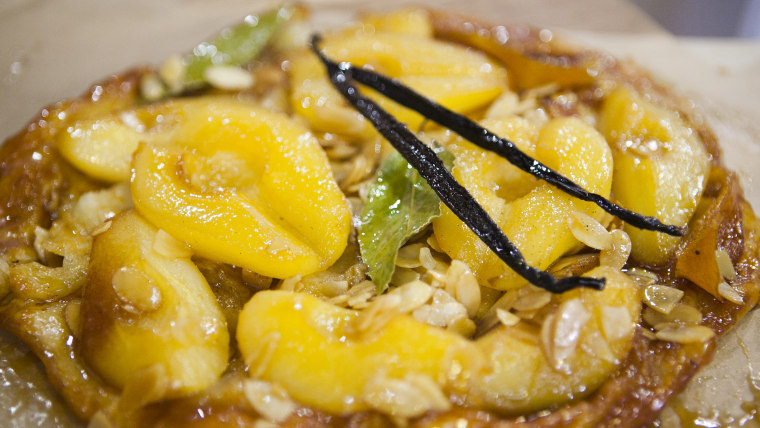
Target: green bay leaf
<point>400,203</point>
<point>235,45</point>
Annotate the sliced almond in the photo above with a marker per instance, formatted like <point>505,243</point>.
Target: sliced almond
<point>661,297</point>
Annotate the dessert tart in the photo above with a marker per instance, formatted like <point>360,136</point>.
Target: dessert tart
<point>418,219</point>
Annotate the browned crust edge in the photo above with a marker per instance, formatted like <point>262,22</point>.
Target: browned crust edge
<point>30,192</point>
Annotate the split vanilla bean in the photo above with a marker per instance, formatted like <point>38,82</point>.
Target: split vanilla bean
<point>487,140</point>
<point>452,194</point>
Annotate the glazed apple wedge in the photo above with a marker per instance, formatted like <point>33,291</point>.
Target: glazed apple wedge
<point>146,307</point>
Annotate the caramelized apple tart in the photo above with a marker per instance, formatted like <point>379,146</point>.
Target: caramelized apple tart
<point>226,240</point>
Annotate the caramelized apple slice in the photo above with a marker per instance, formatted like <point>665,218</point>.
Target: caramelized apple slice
<point>458,78</point>
<point>311,348</point>
<point>533,215</point>
<point>102,148</point>
<point>660,168</point>
<point>344,361</point>
<point>149,310</point>
<point>244,186</point>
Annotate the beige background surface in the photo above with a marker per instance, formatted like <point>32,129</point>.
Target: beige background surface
<point>53,49</point>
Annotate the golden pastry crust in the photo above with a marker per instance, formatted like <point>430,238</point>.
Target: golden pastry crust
<point>37,185</point>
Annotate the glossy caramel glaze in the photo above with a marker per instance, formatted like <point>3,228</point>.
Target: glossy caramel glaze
<point>36,184</point>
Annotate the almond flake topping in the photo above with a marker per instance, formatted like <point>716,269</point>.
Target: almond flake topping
<point>725,266</point>
<point>662,298</point>
<point>730,293</point>
<point>589,231</point>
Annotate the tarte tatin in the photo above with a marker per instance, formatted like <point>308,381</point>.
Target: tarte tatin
<point>254,233</point>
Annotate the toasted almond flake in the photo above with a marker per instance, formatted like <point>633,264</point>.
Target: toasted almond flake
<point>532,298</point>
<point>546,337</point>
<point>729,293</point>
<point>571,317</point>
<point>151,87</point>
<point>360,167</point>
<point>228,78</point>
<point>356,208</point>
<point>169,247</point>
<point>5,282</point>
<point>507,300</point>
<point>504,106</point>
<point>71,316</point>
<point>443,311</point>
<point>103,227</point>
<point>462,326</point>
<point>431,390</point>
<point>667,325</point>
<point>403,275</point>
<point>542,91</point>
<point>413,295</point>
<point>294,34</point>
<point>642,277</point>
<point>362,288</point>
<point>334,287</point>
<point>172,72</point>
<point>490,320</point>
<point>589,231</point>
<point>350,122</point>
<point>378,313</point>
<point>661,297</point>
<point>458,364</point>
<point>412,396</point>
<point>5,268</point>
<point>41,236</point>
<point>358,302</point>
<point>648,334</point>
<point>616,322</point>
<point>468,294</point>
<point>341,300</point>
<point>340,150</point>
<point>18,255</point>
<point>359,189</point>
<point>575,264</point>
<point>599,347</point>
<point>290,284</point>
<point>617,254</point>
<point>653,318</point>
<point>137,291</point>
<point>263,423</point>
<point>462,284</point>
<point>725,266</point>
<point>507,318</point>
<point>95,207</point>
<point>685,334</point>
<point>528,315</point>
<point>435,270</point>
<point>363,190</point>
<point>683,313</point>
<point>270,400</point>
<point>561,331</point>
<point>359,294</point>
<point>409,256</point>
<point>537,116</point>
<point>432,241</point>
<point>431,263</point>
<point>100,420</point>
<point>686,314</point>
